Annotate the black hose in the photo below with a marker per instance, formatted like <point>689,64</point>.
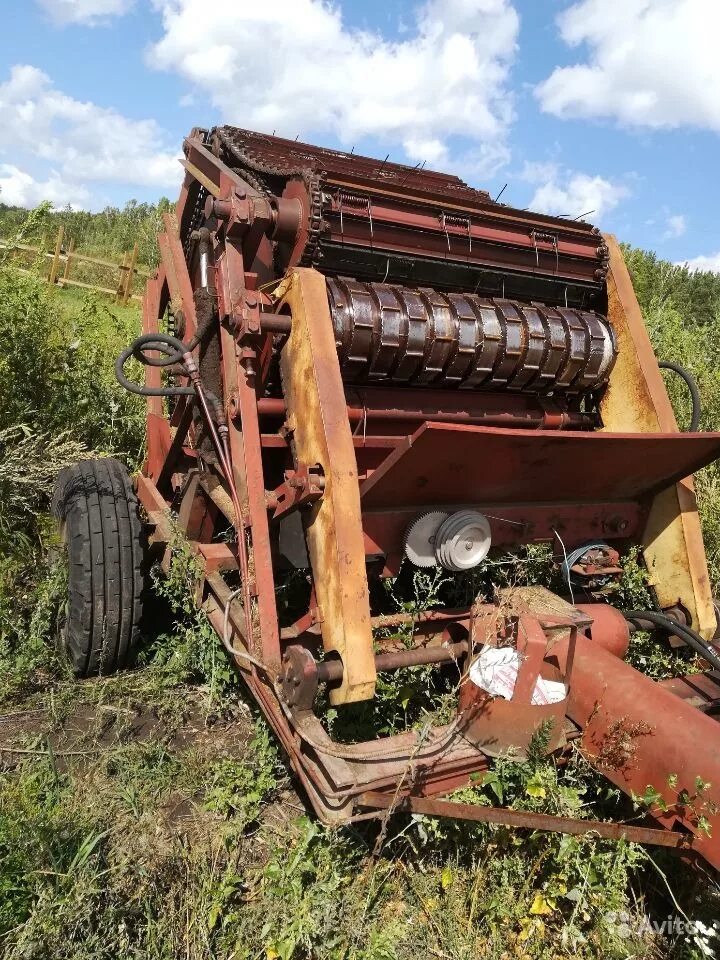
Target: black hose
<point>172,352</point>
<point>690,637</point>
<point>692,387</point>
<point>171,349</point>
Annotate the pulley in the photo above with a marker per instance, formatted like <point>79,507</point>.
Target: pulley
<point>457,541</point>
<point>463,541</point>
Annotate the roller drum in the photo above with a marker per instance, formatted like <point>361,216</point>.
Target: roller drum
<point>424,337</point>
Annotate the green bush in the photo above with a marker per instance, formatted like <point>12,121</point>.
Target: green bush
<point>57,362</point>
<point>109,233</point>
<point>59,402</point>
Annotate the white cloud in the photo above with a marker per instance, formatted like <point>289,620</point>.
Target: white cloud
<point>19,188</point>
<point>577,195</point>
<point>293,66</point>
<point>87,12</point>
<point>675,226</point>
<point>83,141</point>
<point>650,63</point>
<point>711,263</point>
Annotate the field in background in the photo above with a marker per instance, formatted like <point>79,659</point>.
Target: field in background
<point>109,233</point>
<point>150,816</point>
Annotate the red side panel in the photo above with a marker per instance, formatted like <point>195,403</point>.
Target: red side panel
<point>454,463</point>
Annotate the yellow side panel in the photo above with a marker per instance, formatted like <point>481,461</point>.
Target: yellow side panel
<point>317,415</point>
<point>636,401</point>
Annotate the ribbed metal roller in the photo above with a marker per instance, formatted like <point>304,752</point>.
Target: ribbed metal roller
<point>421,336</point>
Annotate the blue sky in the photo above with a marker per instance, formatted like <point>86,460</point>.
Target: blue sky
<point>577,105</point>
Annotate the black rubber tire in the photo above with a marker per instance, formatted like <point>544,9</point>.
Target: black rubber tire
<point>98,514</point>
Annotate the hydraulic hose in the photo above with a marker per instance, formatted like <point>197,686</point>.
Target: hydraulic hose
<point>172,353</point>
<point>692,387</point>
<point>690,637</point>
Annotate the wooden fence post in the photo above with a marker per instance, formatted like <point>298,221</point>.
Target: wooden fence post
<point>68,260</point>
<point>120,292</point>
<point>52,277</point>
<point>130,274</point>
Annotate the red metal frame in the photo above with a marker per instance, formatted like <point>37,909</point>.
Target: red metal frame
<point>415,450</point>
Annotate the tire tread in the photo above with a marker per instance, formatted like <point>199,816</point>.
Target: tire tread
<point>96,502</point>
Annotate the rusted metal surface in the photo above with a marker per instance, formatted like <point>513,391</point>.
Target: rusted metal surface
<point>700,690</point>
<point>331,671</point>
<point>363,217</point>
<point>401,335</point>
<point>390,620</point>
<point>439,464</point>
<point>375,410</point>
<point>609,628</point>
<point>638,733</point>
<point>291,156</point>
<point>532,619</point>
<point>275,322</point>
<point>526,821</point>
<point>300,487</point>
<point>301,673</point>
<point>444,352</point>
<point>176,272</point>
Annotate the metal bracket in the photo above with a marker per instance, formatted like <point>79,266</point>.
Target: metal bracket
<point>301,486</point>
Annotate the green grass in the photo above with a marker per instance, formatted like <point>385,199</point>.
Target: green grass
<point>186,841</point>
<point>147,850</point>
<point>150,815</point>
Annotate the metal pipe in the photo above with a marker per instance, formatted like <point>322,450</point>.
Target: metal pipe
<point>275,322</point>
<point>275,407</point>
<point>637,732</point>
<point>203,240</point>
<point>524,820</point>
<point>331,671</point>
<point>436,616</point>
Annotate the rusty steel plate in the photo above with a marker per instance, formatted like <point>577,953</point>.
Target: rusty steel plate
<point>460,464</point>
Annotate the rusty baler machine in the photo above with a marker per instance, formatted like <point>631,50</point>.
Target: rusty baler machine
<point>355,367</point>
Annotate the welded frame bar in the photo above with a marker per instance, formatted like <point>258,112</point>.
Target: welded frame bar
<point>370,407</point>
<point>525,820</point>
<point>246,458</point>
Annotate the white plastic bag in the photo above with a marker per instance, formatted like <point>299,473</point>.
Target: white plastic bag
<point>495,670</point>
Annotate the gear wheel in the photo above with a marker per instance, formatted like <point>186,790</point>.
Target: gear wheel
<point>420,538</point>
<point>463,541</point>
